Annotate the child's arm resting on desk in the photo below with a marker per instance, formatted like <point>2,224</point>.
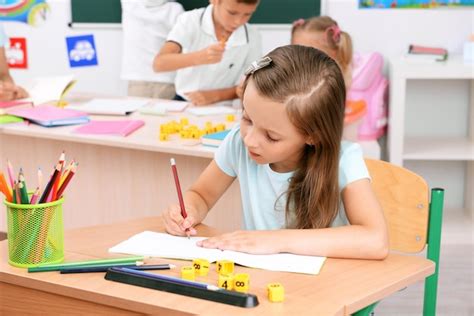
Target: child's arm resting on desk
<point>366,237</point>
<point>211,96</point>
<point>198,200</point>
<point>171,58</point>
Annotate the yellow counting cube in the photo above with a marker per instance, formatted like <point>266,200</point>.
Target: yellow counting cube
<point>230,117</point>
<point>241,282</point>
<point>201,266</point>
<point>276,292</point>
<point>188,273</point>
<point>220,127</point>
<point>225,267</point>
<point>163,136</point>
<point>184,121</point>
<point>226,281</point>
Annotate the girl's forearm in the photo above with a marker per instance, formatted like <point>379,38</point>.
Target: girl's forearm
<point>195,200</point>
<point>352,241</point>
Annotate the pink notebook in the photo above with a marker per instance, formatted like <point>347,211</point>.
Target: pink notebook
<point>116,127</point>
<point>48,115</point>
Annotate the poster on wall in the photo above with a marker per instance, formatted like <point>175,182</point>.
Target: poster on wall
<point>81,51</point>
<point>414,4</point>
<point>32,12</point>
<point>16,53</point>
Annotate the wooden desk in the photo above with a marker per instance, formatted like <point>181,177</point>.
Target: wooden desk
<point>342,287</point>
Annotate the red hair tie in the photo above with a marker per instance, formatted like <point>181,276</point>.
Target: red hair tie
<point>336,32</point>
<point>298,22</point>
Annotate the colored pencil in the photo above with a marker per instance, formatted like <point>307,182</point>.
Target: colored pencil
<point>10,172</point>
<point>6,189</point>
<point>17,193</point>
<point>70,174</point>
<point>40,178</point>
<point>65,173</point>
<point>34,197</point>
<point>58,266</point>
<point>178,189</point>
<point>104,268</point>
<point>49,186</point>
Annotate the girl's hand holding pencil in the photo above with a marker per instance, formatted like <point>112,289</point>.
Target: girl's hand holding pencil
<point>176,224</point>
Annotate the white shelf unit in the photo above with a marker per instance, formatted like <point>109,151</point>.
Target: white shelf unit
<point>438,144</point>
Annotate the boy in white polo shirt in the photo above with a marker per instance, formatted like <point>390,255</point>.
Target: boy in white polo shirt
<point>210,48</point>
<point>146,24</point>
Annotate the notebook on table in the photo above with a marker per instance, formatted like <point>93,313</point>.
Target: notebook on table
<point>110,106</point>
<point>9,119</point>
<point>117,127</point>
<point>49,89</point>
<point>48,115</point>
<point>5,105</point>
<point>161,107</point>
<point>214,139</point>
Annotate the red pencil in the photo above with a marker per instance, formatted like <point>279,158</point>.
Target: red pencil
<point>178,189</point>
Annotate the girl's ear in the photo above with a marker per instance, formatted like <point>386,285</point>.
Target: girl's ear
<point>309,141</point>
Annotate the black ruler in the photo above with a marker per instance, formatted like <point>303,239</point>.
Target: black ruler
<point>216,295</point>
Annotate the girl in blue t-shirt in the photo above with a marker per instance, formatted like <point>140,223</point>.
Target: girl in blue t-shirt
<point>292,166</point>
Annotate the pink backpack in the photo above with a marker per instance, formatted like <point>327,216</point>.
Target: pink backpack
<point>370,85</point>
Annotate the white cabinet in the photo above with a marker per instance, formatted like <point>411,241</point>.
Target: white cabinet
<point>431,118</point>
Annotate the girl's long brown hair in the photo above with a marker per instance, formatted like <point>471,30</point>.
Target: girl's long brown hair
<point>311,86</point>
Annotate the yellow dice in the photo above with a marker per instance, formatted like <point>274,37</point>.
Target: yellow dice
<point>241,282</point>
<point>163,136</point>
<point>230,117</point>
<point>220,127</point>
<point>276,292</point>
<point>225,267</point>
<point>226,281</point>
<point>188,273</point>
<point>184,121</point>
<point>201,266</point>
<point>185,134</point>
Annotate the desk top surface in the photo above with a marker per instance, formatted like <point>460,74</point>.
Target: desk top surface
<point>145,138</point>
<point>342,287</point>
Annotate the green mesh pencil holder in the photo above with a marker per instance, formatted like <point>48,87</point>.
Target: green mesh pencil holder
<point>35,233</point>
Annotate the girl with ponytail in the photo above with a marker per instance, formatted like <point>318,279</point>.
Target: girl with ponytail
<point>323,33</point>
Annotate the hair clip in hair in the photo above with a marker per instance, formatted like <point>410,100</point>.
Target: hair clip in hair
<point>258,64</point>
<point>336,32</point>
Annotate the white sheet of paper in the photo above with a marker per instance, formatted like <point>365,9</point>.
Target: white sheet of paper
<point>110,106</point>
<point>162,245</point>
<point>211,110</point>
<point>161,107</point>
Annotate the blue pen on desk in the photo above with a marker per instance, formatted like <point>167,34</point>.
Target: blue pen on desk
<point>166,278</point>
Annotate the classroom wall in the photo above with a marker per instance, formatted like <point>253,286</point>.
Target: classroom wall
<point>390,33</point>
<point>385,31</point>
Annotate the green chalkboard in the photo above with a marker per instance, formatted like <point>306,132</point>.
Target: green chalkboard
<point>268,12</point>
